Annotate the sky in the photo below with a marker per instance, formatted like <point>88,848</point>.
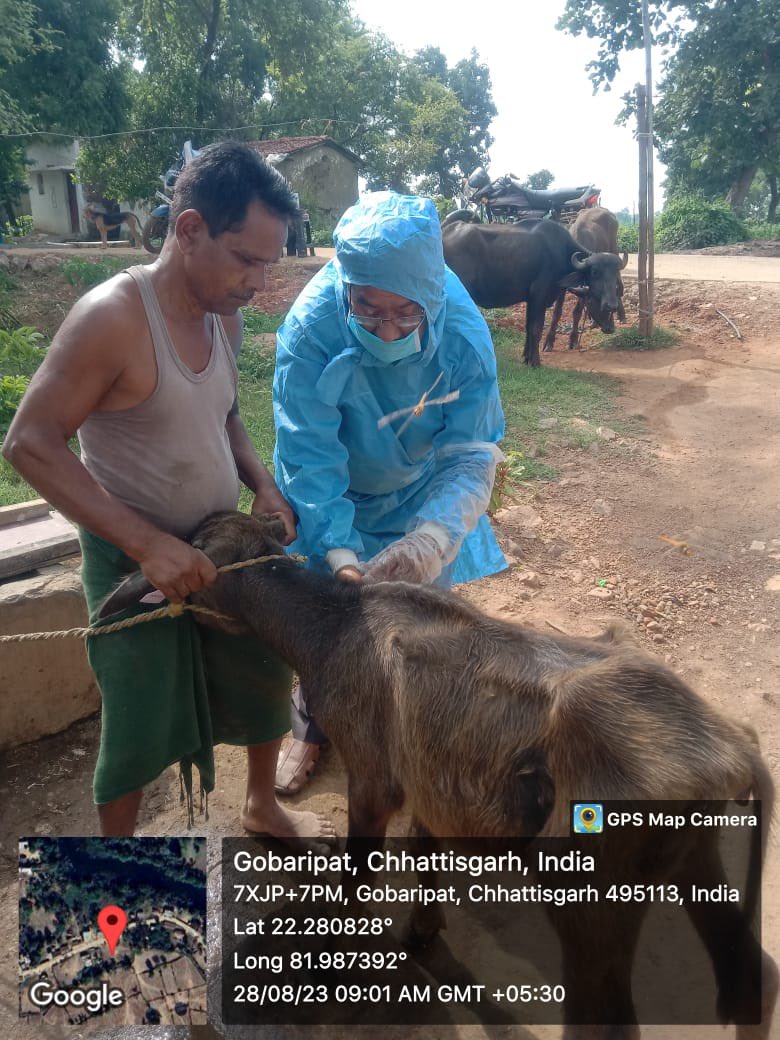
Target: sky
<point>548,116</point>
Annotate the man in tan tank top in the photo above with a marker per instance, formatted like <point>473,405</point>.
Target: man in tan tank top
<point>143,368</point>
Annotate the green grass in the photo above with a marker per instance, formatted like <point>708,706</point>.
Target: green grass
<point>255,380</point>
<point>12,488</point>
<point>257,322</point>
<point>632,339</point>
<point>78,270</point>
<point>528,395</point>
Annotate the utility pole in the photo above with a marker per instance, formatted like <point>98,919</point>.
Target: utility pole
<point>649,187</point>
<point>645,324</point>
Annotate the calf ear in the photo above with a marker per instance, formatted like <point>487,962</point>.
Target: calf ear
<point>273,526</point>
<point>127,594</point>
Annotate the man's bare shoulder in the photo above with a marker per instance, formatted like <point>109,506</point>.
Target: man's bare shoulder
<point>110,315</point>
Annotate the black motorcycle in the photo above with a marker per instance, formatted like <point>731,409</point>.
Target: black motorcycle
<point>156,227</point>
<point>507,200</point>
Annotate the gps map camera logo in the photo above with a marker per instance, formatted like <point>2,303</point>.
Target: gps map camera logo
<point>588,818</point>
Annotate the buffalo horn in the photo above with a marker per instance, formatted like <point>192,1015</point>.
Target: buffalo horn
<point>625,261</point>
<point>577,263</point>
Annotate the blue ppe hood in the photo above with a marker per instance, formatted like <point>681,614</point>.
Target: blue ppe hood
<point>393,242</point>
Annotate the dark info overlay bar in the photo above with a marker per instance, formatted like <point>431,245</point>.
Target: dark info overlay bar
<point>617,923</point>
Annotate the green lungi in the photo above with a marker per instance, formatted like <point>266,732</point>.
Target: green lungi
<point>172,689</point>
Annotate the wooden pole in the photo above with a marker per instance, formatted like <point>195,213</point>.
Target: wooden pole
<point>641,119</point>
<point>649,151</point>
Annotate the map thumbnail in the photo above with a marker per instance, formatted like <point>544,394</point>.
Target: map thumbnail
<point>152,894</point>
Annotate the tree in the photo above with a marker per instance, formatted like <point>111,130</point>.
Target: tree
<point>539,181</point>
<point>617,26</point>
<point>203,65</point>
<point>718,118</point>
<point>17,39</point>
<point>413,121</point>
<point>75,84</point>
<point>463,143</point>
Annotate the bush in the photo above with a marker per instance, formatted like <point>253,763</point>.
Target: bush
<point>21,351</point>
<point>628,238</point>
<point>632,339</point>
<point>19,227</point>
<point>758,231</point>
<point>693,222</point>
<point>12,390</point>
<point>91,272</point>
<point>444,205</point>
<point>322,226</point>
<point>322,237</point>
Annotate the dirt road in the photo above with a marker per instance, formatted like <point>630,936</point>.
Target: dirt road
<point>682,266</point>
<point>695,267</point>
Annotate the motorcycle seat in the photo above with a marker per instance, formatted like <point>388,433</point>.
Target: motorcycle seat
<point>552,199</point>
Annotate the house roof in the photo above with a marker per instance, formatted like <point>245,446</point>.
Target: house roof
<point>287,145</point>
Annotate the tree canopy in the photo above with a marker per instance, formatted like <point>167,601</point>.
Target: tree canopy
<point>213,67</point>
<point>717,120</point>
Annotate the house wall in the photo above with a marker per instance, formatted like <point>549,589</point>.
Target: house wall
<point>49,201</point>
<point>323,177</point>
<point>48,167</point>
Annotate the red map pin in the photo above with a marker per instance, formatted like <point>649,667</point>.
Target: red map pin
<point>111,922</point>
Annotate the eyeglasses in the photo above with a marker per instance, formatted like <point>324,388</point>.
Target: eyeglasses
<point>405,325</point>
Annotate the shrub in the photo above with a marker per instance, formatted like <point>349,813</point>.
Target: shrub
<point>19,227</point>
<point>628,238</point>
<point>322,237</point>
<point>508,472</point>
<point>87,273</point>
<point>759,230</point>
<point>322,226</point>
<point>444,205</point>
<point>21,351</point>
<point>692,222</point>
<point>632,339</point>
<point>12,390</point>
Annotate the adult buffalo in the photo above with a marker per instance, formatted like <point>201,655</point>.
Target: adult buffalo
<point>595,230</point>
<point>530,262</point>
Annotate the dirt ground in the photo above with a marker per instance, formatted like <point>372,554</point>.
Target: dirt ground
<point>675,530</point>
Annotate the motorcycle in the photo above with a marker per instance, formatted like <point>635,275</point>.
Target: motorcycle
<point>507,200</point>
<point>156,227</point>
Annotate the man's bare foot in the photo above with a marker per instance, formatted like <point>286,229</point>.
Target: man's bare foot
<point>282,823</point>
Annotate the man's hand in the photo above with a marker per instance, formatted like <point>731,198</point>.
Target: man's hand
<point>175,568</point>
<point>270,500</point>
<point>416,557</point>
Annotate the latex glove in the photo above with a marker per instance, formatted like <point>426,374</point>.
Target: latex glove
<point>417,557</point>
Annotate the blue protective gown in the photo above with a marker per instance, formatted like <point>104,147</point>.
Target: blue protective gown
<point>358,487</point>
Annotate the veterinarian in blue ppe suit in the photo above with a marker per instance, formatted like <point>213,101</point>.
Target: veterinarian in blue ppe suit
<point>387,417</point>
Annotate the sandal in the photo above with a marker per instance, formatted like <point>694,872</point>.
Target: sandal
<point>295,765</point>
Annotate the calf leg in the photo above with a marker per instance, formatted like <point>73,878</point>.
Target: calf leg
<point>534,320</point>
<point>575,324</point>
<point>597,966</point>
<point>425,922</point>
<point>549,342</point>
<point>369,811</point>
<point>747,978</point>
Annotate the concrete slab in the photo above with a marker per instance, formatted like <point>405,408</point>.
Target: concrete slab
<point>36,541</point>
